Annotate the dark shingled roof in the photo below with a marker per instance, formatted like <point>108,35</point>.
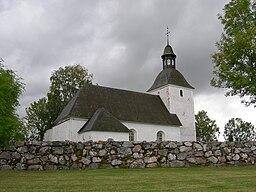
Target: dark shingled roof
<point>123,105</point>
<point>170,76</point>
<point>102,120</point>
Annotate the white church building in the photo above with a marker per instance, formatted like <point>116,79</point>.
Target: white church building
<point>164,112</point>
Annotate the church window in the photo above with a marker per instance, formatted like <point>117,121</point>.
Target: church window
<point>132,135</point>
<point>181,93</point>
<point>160,136</point>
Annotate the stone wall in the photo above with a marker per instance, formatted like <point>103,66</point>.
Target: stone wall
<point>111,154</point>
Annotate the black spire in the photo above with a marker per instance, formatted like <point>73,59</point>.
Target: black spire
<point>168,56</point>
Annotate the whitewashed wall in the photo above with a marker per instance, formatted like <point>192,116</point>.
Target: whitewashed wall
<point>182,106</point>
<point>104,136</point>
<point>148,132</point>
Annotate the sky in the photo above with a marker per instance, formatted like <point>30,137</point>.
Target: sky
<point>120,42</point>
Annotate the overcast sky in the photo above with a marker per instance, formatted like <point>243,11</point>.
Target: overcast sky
<point>119,41</point>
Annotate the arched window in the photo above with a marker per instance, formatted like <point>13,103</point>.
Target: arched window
<point>160,136</point>
<point>132,135</point>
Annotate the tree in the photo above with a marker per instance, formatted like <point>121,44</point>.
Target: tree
<point>206,129</point>
<point>65,82</point>
<point>235,61</point>
<point>11,88</point>
<point>238,130</point>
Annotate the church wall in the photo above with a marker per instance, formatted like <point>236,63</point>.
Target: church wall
<point>148,132</point>
<point>182,106</point>
<point>65,131</point>
<point>103,136</point>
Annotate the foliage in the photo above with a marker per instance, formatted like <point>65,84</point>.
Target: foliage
<point>11,88</point>
<point>206,129</point>
<point>235,67</point>
<point>238,130</point>
<point>65,82</point>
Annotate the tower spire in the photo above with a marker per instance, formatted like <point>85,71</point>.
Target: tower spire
<point>167,35</point>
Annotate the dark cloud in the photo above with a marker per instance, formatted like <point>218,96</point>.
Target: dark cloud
<point>119,41</point>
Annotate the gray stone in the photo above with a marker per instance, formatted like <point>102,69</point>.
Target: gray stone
<point>44,150</point>
<point>200,161</point>
<point>236,157</point>
<point>5,155</point>
<point>185,149</point>
<point>80,146</point>
<point>53,159</point>
<point>93,166</point>
<point>191,160</point>
<point>208,154</point>
<point>149,160</point>
<point>127,144</point>
<point>62,160</point>
<point>116,162</point>
<point>96,160</point>
<point>226,150</point>
<point>93,153</point>
<point>163,152</point>
<point>33,161</point>
<point>35,167</point>
<point>57,150</point>
<point>171,145</point>
<point>176,164</point>
<point>137,155</point>
<point>21,166</point>
<point>244,155</point>
<point>23,149</point>
<point>213,159</point>
<point>197,146</point>
<point>74,166</point>
<point>152,165</point>
<point>16,155</point>
<point>126,151</point>
<point>86,160</point>
<point>139,163</point>
<point>199,154</point>
<point>182,156</point>
<point>74,157</point>
<point>29,156</point>
<point>171,157</point>
<point>253,148</point>
<point>6,167</point>
<point>50,167</point>
<point>222,159</point>
<point>217,153</point>
<point>188,144</point>
<point>102,152</point>
<point>246,150</point>
<point>237,150</point>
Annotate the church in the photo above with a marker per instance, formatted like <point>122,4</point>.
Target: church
<point>164,112</point>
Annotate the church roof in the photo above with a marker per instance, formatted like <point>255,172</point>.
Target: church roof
<point>102,120</point>
<point>122,104</point>
<point>170,76</point>
<point>168,51</point>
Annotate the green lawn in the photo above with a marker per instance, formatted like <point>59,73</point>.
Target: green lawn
<point>158,179</point>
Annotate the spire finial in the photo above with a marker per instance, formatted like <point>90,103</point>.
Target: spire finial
<point>167,35</point>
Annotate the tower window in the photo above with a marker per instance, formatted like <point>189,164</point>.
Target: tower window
<point>181,93</point>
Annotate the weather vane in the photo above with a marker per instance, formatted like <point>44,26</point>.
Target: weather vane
<point>167,34</point>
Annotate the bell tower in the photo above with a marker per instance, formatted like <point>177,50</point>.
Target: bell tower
<point>176,93</point>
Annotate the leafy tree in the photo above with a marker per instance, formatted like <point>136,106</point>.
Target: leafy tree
<point>65,82</point>
<point>11,88</point>
<point>238,130</point>
<point>206,129</point>
<point>235,61</point>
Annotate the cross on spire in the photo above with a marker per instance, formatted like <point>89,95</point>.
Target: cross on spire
<point>167,35</point>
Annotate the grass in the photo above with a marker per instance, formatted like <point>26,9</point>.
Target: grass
<point>158,179</point>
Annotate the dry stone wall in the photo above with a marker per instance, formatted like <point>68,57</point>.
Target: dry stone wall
<point>112,154</point>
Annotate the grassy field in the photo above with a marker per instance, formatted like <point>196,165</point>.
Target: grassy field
<point>158,179</point>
